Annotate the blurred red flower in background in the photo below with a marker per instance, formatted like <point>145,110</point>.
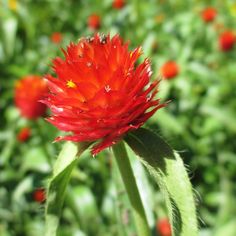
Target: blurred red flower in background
<point>28,91</point>
<point>100,92</point>
<point>118,4</point>
<point>163,227</point>
<point>39,195</point>
<point>94,21</point>
<point>209,14</point>
<point>56,37</point>
<point>227,40</point>
<point>169,70</point>
<point>24,134</point>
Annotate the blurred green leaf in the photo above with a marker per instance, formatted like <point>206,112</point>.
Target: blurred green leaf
<point>34,159</point>
<point>9,28</point>
<point>82,203</point>
<point>228,229</point>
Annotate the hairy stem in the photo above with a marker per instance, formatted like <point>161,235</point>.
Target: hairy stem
<point>169,172</point>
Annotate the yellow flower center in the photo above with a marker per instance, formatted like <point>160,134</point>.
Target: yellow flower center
<point>70,84</point>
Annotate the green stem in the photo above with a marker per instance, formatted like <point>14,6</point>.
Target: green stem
<point>137,10</point>
<point>128,178</point>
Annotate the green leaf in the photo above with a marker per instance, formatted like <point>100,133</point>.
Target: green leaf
<point>9,28</point>
<point>82,203</point>
<point>143,183</point>
<point>125,222</point>
<point>169,172</point>
<point>64,165</point>
<point>128,178</point>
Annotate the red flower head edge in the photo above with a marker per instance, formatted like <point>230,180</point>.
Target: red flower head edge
<point>100,92</point>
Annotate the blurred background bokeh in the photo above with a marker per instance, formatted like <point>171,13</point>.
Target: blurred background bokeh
<point>190,44</point>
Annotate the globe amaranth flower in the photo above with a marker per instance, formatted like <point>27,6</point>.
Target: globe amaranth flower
<point>209,14</point>
<point>100,93</point>
<point>24,134</point>
<point>94,22</point>
<point>169,70</point>
<point>39,195</point>
<point>56,37</point>
<point>118,4</point>
<point>28,91</point>
<point>227,40</point>
<point>163,227</point>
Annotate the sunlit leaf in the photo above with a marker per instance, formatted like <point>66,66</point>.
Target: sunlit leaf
<point>169,172</point>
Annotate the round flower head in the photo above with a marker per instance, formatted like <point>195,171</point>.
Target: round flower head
<point>209,14</point>
<point>169,70</point>
<point>24,134</point>
<point>28,91</point>
<point>39,195</point>
<point>118,4</point>
<point>163,227</point>
<point>56,37</point>
<point>227,41</point>
<point>100,93</point>
<point>94,22</point>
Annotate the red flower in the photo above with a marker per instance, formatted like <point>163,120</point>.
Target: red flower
<point>100,93</point>
<point>28,92</point>
<point>94,21</point>
<point>209,14</point>
<point>226,41</point>
<point>118,4</point>
<point>24,134</point>
<point>39,195</point>
<point>56,37</point>
<point>169,70</point>
<point>163,227</point>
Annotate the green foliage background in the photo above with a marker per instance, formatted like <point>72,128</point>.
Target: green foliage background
<point>199,122</point>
